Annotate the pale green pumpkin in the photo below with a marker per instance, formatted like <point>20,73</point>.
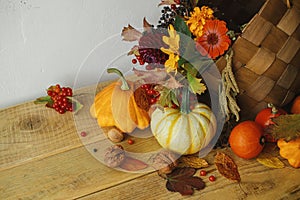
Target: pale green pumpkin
<point>184,133</point>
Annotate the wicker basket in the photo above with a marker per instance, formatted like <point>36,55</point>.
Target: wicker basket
<point>267,58</point>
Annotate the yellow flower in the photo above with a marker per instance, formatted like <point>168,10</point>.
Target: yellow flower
<point>172,63</point>
<point>197,19</point>
<point>173,51</point>
<point>172,41</point>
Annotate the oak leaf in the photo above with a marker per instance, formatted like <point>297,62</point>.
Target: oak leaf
<point>227,167</point>
<point>130,34</point>
<point>286,126</point>
<point>182,180</point>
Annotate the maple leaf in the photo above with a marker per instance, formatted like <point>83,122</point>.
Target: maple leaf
<point>182,180</point>
<point>130,34</point>
<point>286,126</point>
<point>195,84</point>
<point>227,167</point>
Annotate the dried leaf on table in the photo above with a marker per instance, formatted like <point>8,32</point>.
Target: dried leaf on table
<point>131,34</point>
<point>227,167</point>
<point>286,126</point>
<point>132,164</point>
<point>270,161</point>
<point>192,161</point>
<point>182,180</point>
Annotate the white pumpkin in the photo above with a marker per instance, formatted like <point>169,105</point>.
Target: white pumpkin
<point>184,133</point>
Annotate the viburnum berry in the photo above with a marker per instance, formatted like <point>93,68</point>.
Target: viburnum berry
<point>203,173</point>
<point>212,178</point>
<point>130,141</point>
<point>134,61</point>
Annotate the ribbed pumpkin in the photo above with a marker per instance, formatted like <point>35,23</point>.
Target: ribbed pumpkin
<point>115,106</point>
<point>181,132</point>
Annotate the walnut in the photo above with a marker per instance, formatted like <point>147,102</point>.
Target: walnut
<point>114,155</point>
<point>165,161</point>
<point>115,135</point>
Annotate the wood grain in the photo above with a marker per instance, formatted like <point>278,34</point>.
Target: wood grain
<point>258,182</point>
<point>43,156</point>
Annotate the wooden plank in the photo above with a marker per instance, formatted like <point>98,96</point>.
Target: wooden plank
<point>31,131</point>
<point>67,175</point>
<point>258,182</point>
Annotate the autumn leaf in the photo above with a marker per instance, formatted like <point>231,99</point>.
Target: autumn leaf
<point>286,126</point>
<point>195,84</point>
<point>167,97</point>
<point>132,164</point>
<point>192,161</point>
<point>156,76</point>
<point>227,167</point>
<point>130,34</point>
<point>147,26</point>
<point>167,2</point>
<point>182,180</point>
<point>270,161</point>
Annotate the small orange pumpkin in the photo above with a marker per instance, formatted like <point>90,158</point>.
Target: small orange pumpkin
<point>296,106</point>
<point>246,139</point>
<point>115,106</point>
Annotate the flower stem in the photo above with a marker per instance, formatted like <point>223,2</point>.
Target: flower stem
<point>124,85</point>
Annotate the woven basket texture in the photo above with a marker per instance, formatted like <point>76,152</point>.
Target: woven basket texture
<point>266,60</point>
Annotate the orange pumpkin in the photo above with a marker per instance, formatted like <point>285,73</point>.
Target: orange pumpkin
<point>246,139</point>
<point>296,106</point>
<point>115,106</point>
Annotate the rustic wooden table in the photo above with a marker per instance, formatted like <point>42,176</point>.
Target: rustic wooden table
<point>43,156</point>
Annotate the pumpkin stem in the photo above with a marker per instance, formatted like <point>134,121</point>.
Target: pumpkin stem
<point>274,109</point>
<point>185,102</point>
<point>124,85</point>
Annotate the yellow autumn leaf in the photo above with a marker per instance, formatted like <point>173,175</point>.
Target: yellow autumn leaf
<point>272,162</point>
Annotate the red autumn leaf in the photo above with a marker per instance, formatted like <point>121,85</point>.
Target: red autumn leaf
<point>182,180</point>
<point>131,34</point>
<point>132,164</point>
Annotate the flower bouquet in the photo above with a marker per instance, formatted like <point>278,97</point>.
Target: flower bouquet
<point>178,90</point>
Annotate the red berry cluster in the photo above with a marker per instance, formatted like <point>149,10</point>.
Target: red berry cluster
<point>151,92</point>
<point>138,59</point>
<point>59,96</point>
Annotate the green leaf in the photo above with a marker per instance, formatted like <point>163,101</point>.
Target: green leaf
<point>195,84</point>
<point>181,26</point>
<point>167,97</point>
<point>76,104</point>
<point>43,100</point>
<point>286,126</point>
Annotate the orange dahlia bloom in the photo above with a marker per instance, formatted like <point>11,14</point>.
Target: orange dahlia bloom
<point>214,41</point>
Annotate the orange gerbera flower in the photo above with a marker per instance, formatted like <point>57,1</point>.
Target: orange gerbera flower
<point>214,41</point>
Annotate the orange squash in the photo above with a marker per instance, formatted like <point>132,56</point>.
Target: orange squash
<point>296,106</point>
<point>290,151</point>
<point>115,106</point>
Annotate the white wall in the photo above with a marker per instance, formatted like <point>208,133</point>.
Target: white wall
<point>44,42</point>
